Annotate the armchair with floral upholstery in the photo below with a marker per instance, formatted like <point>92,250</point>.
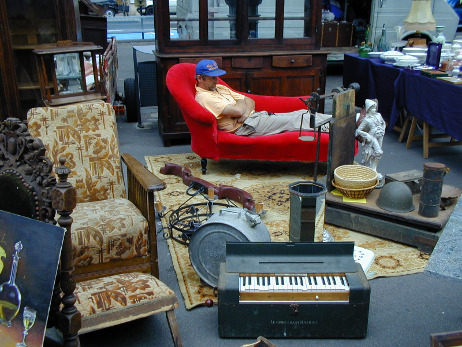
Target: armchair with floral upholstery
<point>113,231</point>
<point>111,234</point>
<point>30,189</point>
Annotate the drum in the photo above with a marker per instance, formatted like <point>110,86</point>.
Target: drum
<point>207,249</point>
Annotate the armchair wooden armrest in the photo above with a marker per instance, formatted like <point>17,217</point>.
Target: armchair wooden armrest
<point>141,185</point>
<point>146,178</point>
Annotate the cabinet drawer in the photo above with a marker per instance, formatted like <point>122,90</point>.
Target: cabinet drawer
<point>196,60</point>
<point>293,61</point>
<point>247,62</point>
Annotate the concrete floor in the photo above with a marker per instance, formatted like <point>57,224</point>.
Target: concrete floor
<point>404,310</point>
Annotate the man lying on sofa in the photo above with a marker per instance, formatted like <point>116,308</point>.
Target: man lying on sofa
<point>235,112</point>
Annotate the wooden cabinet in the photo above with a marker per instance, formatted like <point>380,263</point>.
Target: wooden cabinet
<point>24,24</point>
<point>267,47</point>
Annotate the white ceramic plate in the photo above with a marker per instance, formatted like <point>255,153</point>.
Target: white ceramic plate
<point>374,54</point>
<point>407,50</point>
<point>406,64</point>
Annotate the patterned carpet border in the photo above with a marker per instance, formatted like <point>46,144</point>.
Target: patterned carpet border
<point>268,183</point>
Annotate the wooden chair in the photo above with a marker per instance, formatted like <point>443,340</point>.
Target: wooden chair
<point>114,297</point>
<point>28,188</point>
<point>111,233</point>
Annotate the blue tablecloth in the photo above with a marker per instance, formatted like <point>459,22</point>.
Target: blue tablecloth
<point>376,81</point>
<point>436,102</point>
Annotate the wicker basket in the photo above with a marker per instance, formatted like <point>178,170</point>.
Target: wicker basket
<point>355,193</point>
<point>355,176</point>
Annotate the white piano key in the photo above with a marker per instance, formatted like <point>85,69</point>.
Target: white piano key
<point>312,283</point>
<point>290,283</point>
<point>247,283</point>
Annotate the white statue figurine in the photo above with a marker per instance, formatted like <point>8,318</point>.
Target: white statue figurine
<point>371,130</point>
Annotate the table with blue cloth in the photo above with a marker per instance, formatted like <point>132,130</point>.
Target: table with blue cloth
<point>436,103</point>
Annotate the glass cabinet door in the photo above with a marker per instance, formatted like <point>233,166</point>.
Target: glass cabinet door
<point>222,19</point>
<point>262,19</point>
<point>185,20</point>
<point>251,22</point>
<point>297,19</point>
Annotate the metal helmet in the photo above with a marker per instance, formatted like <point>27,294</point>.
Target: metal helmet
<point>396,197</point>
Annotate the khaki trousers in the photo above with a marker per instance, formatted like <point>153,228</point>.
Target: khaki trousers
<point>262,124</point>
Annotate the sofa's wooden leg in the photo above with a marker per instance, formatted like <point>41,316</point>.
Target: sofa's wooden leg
<point>204,165</point>
<point>174,330</point>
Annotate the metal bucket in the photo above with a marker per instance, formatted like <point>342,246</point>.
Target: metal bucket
<point>432,186</point>
<point>207,249</point>
<point>307,206</point>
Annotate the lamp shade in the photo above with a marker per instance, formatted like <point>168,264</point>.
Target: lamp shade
<point>420,17</point>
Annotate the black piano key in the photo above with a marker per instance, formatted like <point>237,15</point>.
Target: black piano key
<point>277,281</point>
<point>328,280</point>
<point>258,281</point>
<point>290,280</point>
<point>334,280</point>
<point>282,280</point>
<point>296,281</point>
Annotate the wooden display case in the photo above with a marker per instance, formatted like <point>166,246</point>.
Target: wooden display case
<point>25,24</point>
<point>267,47</point>
<point>62,72</point>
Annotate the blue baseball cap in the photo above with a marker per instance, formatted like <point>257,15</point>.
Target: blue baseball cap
<point>209,68</point>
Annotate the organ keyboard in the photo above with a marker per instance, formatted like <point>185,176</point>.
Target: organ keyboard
<point>286,288</point>
<point>303,289</point>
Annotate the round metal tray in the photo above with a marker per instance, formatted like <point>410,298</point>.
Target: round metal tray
<point>207,248</point>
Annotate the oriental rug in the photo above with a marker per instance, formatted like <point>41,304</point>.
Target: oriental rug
<point>267,182</point>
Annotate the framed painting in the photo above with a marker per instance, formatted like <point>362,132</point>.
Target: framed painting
<point>29,257</point>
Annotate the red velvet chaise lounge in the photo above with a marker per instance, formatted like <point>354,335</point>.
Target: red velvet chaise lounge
<point>210,143</point>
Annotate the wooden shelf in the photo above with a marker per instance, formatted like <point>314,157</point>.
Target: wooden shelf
<point>24,47</point>
<point>28,86</point>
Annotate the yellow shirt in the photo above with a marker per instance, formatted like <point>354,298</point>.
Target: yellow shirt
<point>216,101</point>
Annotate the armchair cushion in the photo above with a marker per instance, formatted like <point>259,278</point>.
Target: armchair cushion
<point>108,230</point>
<point>121,298</point>
<point>86,134</point>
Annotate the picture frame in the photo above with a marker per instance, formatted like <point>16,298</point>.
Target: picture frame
<point>433,55</point>
<point>29,255</point>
